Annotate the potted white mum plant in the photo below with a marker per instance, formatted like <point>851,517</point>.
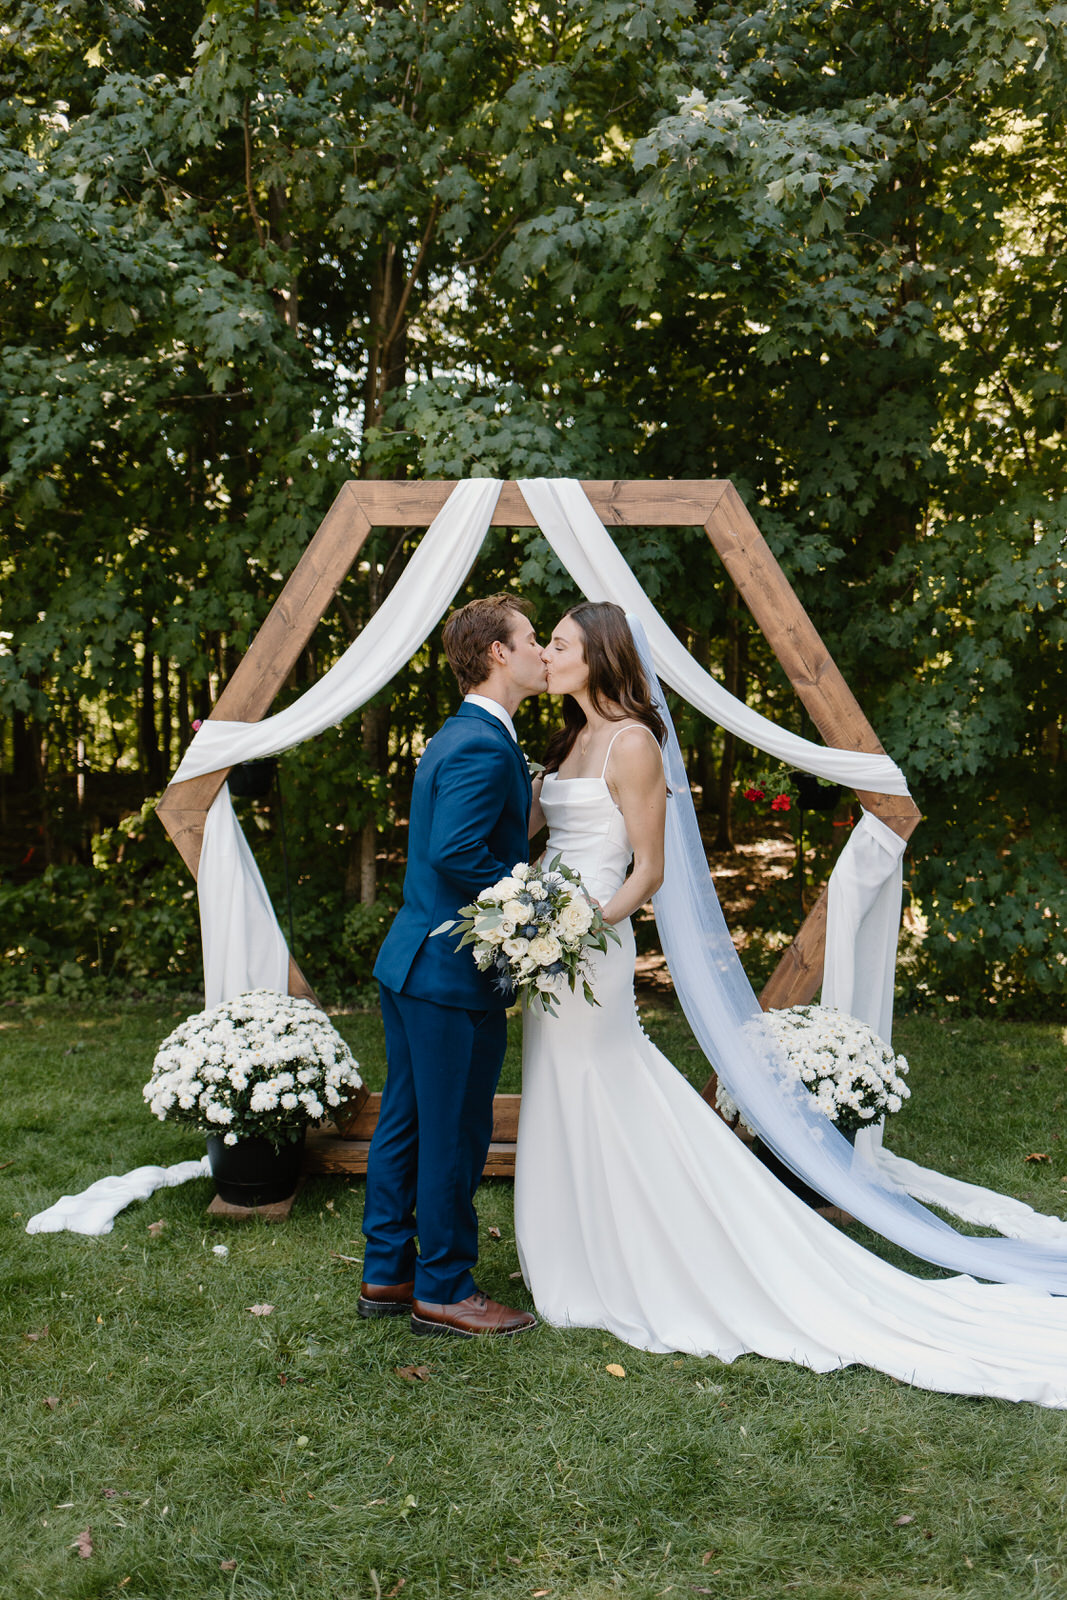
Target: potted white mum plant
<point>251,1074</point>
<point>853,1077</point>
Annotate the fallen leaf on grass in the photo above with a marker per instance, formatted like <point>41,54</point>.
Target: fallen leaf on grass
<point>84,1543</point>
<point>284,1378</point>
<point>41,1334</point>
<point>709,1555</point>
<point>110,1494</point>
<point>698,1590</point>
<point>156,1228</point>
<point>1038,1155</point>
<point>395,1590</point>
<point>227,1566</point>
<point>902,1522</point>
<point>357,1261</point>
<point>615,1370</point>
<point>51,1401</point>
<point>519,1274</point>
<point>515,1560</point>
<point>494,1233</point>
<point>414,1374</point>
<point>260,1311</point>
<point>539,1592</point>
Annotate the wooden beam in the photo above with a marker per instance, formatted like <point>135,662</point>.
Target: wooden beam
<point>325,1151</point>
<point>663,504</point>
<point>359,1120</point>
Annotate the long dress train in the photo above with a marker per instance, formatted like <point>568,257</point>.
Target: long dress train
<point>638,1211</point>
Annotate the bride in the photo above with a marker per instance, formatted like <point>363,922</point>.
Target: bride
<point>636,1209</point>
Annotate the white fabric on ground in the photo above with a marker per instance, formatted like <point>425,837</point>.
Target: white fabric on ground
<point>95,1209</point>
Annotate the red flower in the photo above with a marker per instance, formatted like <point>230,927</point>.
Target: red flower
<point>781,802</point>
<point>754,794</point>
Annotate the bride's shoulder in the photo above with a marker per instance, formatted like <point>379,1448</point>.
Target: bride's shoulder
<point>635,749</point>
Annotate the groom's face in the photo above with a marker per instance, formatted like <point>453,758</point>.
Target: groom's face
<point>525,666</point>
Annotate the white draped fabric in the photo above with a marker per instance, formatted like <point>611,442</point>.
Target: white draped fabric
<point>95,1209</point>
<point>243,944</point>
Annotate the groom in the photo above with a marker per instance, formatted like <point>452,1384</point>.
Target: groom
<point>445,1027</point>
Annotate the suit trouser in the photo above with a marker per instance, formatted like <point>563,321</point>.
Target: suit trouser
<point>430,1144</point>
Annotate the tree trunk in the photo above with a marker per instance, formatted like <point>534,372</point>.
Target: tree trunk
<point>151,759</point>
<point>734,681</point>
<point>166,718</point>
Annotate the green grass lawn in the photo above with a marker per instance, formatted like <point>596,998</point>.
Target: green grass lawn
<point>213,1452</point>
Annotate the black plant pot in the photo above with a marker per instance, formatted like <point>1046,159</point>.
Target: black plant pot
<point>253,1172</point>
<point>786,1176</point>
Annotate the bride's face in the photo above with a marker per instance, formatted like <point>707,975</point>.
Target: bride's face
<point>564,658</point>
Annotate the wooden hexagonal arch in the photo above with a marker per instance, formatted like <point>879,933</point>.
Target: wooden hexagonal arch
<point>711,503</point>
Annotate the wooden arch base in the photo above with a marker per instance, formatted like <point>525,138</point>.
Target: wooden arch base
<point>710,503</point>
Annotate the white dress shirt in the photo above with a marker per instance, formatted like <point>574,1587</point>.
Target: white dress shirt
<point>495,709</point>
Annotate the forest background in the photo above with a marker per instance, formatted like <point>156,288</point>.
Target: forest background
<point>251,251</point>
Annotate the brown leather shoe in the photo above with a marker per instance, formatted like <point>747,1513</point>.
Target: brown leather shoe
<point>468,1318</point>
<point>385,1299</point>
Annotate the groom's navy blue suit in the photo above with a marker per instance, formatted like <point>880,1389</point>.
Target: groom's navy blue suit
<point>445,1029</point>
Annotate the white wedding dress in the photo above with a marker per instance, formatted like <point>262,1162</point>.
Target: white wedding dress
<point>638,1211</point>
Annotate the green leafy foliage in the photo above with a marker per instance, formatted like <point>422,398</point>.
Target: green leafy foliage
<point>251,251</point>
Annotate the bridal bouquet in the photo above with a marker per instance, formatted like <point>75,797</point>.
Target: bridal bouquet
<point>851,1075</point>
<point>533,930</point>
<point>262,1065</point>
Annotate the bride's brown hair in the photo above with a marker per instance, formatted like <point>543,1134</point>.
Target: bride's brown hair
<point>616,677</point>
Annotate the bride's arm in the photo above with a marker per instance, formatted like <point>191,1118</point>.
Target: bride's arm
<point>638,787</point>
<point>537,816</point>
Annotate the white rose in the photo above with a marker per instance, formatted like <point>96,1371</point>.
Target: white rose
<point>536,890</point>
<point>545,949</point>
<point>575,918</point>
<point>514,911</point>
<point>489,897</point>
<point>521,870</point>
<point>549,981</point>
<point>526,966</point>
<point>507,888</point>
<point>516,948</point>
<point>506,930</point>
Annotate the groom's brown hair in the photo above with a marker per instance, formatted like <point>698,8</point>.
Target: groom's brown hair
<point>470,633</point>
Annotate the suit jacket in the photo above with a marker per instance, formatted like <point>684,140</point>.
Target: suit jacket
<point>470,811</point>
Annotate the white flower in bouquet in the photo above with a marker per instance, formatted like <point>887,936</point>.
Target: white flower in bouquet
<point>575,918</point>
<point>533,932</point>
<point>852,1076</point>
<point>260,1065</point>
